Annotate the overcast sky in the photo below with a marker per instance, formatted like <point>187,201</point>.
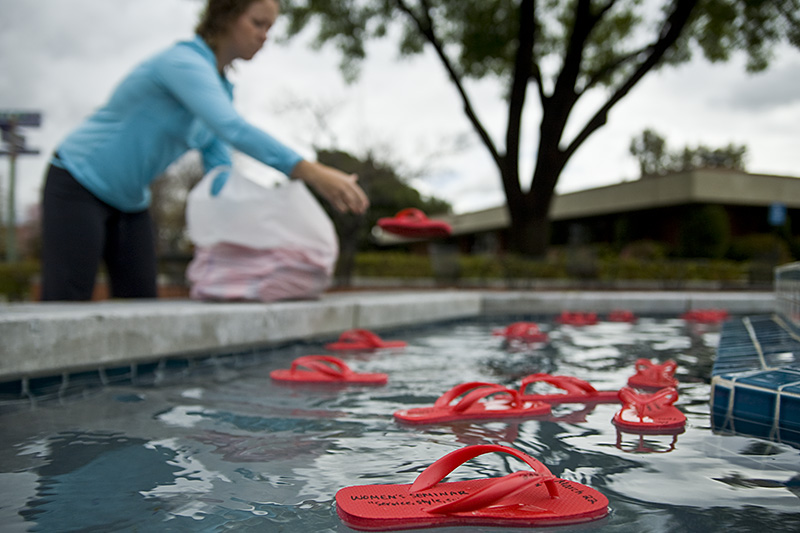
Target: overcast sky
<point>64,57</point>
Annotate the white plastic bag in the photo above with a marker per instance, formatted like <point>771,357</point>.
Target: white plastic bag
<point>258,243</point>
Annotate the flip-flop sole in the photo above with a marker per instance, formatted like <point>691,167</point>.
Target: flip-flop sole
<point>600,397</point>
<point>391,507</point>
<point>307,376</point>
<point>665,420</point>
<point>491,410</point>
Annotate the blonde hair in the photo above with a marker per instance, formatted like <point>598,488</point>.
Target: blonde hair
<point>218,16</point>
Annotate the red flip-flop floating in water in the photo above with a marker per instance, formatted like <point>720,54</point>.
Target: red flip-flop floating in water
<point>577,318</point>
<point>362,339</point>
<point>527,498</point>
<point>522,332</point>
<point>705,316</point>
<point>477,400</point>
<point>412,222</point>
<point>622,315</point>
<point>575,390</point>
<point>325,369</point>
<point>654,376</point>
<point>649,413</point>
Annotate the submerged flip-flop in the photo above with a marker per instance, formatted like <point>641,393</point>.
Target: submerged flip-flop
<point>575,390</point>
<point>500,403</point>
<point>649,413</point>
<point>325,369</point>
<point>362,339</point>
<point>654,376</point>
<point>522,499</point>
<point>522,332</point>
<point>412,222</point>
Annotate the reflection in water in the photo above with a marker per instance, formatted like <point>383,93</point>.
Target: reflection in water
<point>646,443</point>
<point>211,452</point>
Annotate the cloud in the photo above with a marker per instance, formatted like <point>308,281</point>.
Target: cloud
<point>773,89</point>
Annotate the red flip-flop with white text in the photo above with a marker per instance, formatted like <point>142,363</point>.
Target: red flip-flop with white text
<point>527,498</point>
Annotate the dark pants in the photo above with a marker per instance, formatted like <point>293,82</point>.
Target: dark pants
<point>78,231</point>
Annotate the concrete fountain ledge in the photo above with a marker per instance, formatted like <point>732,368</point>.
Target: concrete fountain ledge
<point>43,339</point>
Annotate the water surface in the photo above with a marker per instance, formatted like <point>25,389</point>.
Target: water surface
<point>217,446</point>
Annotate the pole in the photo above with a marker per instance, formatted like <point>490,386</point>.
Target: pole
<point>11,226</point>
<point>9,121</point>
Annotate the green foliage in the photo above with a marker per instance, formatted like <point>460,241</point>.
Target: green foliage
<point>644,250</point>
<point>763,247</point>
<point>512,268</point>
<point>725,26</point>
<point>704,232</point>
<point>15,280</point>
<point>650,149</point>
<point>393,265</point>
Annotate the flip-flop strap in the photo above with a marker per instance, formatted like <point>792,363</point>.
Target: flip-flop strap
<point>411,213</point>
<point>662,398</point>
<point>477,391</point>
<point>491,493</point>
<point>445,399</point>
<point>570,384</point>
<point>360,335</point>
<point>664,371</point>
<point>523,328</point>
<point>471,398</point>
<point>443,466</point>
<point>335,367</point>
<point>641,402</point>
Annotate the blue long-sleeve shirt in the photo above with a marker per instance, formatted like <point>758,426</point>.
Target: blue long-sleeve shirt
<point>171,103</point>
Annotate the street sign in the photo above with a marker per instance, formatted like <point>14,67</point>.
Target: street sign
<point>21,151</point>
<point>13,138</point>
<point>20,118</point>
<point>777,214</point>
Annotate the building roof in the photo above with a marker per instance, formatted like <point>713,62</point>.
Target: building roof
<point>707,186</point>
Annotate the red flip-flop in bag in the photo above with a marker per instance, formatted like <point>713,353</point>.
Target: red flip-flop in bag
<point>654,376</point>
<point>522,332</point>
<point>527,498</point>
<point>324,369</point>
<point>412,222</point>
<point>649,413</point>
<point>361,339</point>
<point>498,403</point>
<point>575,390</point>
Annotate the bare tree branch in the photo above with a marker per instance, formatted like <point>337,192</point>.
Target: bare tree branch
<point>426,29</point>
<point>670,31</point>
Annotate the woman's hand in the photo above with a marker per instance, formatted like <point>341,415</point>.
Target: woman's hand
<point>338,188</point>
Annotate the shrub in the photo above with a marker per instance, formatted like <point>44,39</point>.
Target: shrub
<point>15,280</point>
<point>762,247</point>
<point>393,265</point>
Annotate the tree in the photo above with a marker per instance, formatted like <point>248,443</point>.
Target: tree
<point>563,49</point>
<point>650,149</point>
